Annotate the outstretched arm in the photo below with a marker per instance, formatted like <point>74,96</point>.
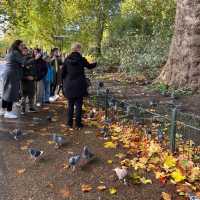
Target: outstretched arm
<point>89,65</point>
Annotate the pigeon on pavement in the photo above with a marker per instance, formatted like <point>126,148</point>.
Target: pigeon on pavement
<point>17,134</point>
<point>35,153</point>
<point>73,161</point>
<point>121,173</point>
<point>59,140</point>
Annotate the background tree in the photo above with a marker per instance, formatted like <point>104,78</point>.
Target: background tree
<point>183,65</point>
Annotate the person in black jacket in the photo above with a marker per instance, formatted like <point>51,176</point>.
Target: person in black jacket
<point>75,84</point>
<point>28,84</point>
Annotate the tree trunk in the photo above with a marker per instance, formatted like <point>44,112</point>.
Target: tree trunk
<point>183,66</point>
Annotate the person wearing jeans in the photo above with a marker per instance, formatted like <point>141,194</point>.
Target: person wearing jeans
<point>47,80</point>
<point>75,84</point>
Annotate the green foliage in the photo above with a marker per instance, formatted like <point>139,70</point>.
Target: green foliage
<point>133,34</point>
<point>165,89</point>
<point>140,37</point>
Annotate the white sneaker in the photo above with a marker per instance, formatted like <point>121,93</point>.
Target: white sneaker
<point>38,104</point>
<point>52,99</point>
<point>10,115</point>
<point>2,112</point>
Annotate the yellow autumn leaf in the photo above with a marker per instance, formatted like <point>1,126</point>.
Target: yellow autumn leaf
<point>50,142</point>
<point>177,176</point>
<point>169,162</point>
<point>117,129</point>
<point>120,155</point>
<point>110,145</point>
<point>145,181</point>
<point>109,161</point>
<point>24,148</point>
<point>113,190</point>
<point>195,174</point>
<point>154,148</point>
<point>101,187</point>
<point>166,196</point>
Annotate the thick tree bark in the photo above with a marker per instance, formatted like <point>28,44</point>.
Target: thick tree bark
<point>183,66</point>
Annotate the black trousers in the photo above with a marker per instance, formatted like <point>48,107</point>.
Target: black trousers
<point>7,105</point>
<point>74,102</point>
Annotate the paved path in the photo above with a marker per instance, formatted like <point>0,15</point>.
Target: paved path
<point>3,181</point>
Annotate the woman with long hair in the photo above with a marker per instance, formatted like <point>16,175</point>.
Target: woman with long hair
<point>15,61</point>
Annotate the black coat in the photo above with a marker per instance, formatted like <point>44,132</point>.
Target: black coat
<point>73,75</point>
<point>40,68</point>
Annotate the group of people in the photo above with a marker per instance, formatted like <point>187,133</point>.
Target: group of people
<point>33,76</point>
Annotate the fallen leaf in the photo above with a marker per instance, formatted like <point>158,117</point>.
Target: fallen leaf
<point>113,190</point>
<point>50,142</point>
<point>24,148</point>
<point>169,162</point>
<point>65,192</point>
<point>110,145</point>
<point>166,196</point>
<point>20,171</point>
<point>50,185</point>
<point>177,176</point>
<point>145,181</point>
<point>154,148</point>
<point>66,166</point>
<point>120,155</point>
<point>109,161</point>
<point>86,188</point>
<point>195,174</point>
<point>101,187</point>
<point>29,141</point>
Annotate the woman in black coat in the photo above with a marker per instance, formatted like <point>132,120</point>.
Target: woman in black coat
<point>75,84</point>
<point>15,61</point>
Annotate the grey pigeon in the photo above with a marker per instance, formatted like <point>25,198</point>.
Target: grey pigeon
<point>59,140</point>
<point>17,134</point>
<point>73,161</point>
<point>37,119</point>
<point>35,153</point>
<point>86,154</point>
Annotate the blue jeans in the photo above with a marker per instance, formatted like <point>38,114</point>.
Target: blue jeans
<point>46,91</point>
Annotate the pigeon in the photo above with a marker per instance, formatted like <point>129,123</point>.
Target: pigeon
<point>17,134</point>
<point>121,173</point>
<point>35,153</point>
<point>73,161</point>
<point>160,135</point>
<point>37,119</point>
<point>86,154</point>
<point>59,140</point>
